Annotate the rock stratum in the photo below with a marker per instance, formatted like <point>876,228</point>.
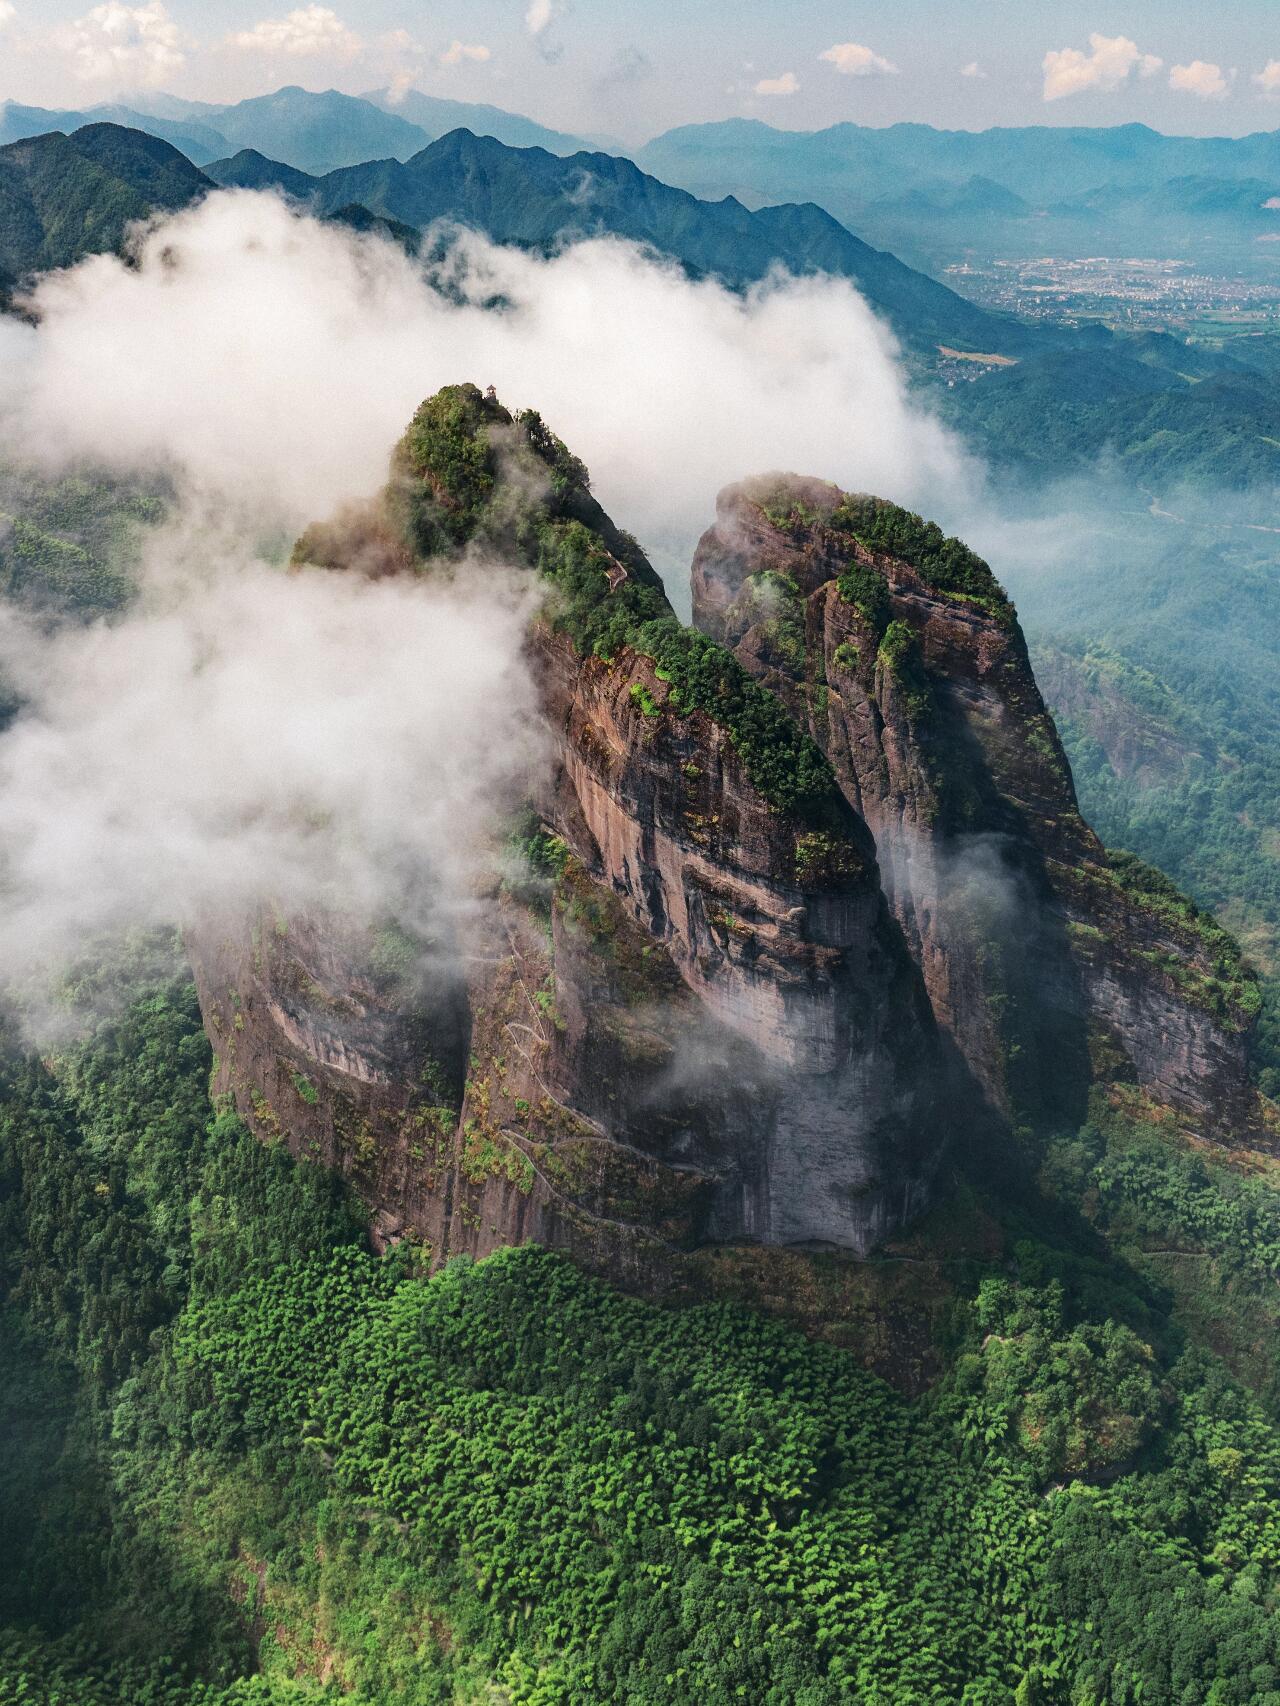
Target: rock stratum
<point>805,900</point>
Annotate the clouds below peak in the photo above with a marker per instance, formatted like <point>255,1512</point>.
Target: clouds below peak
<point>1109,63</point>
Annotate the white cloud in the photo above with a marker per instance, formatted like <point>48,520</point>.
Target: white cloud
<point>307,32</point>
<point>972,69</point>
<point>540,14</point>
<point>1108,64</point>
<point>114,42</point>
<point>1199,78</point>
<point>334,340</point>
<point>244,735</point>
<point>459,52</point>
<point>1268,79</point>
<point>787,84</point>
<point>8,12</point>
<point>853,60</point>
<point>246,732</point>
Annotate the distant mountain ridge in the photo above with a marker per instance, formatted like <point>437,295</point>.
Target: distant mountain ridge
<point>1037,190</point>
<point>309,130</point>
<point>531,197</point>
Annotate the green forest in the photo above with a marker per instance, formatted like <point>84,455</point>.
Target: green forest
<point>246,1460</point>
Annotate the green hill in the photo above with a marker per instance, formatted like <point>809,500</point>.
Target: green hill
<point>64,197</point>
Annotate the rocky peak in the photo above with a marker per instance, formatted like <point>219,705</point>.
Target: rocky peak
<point>692,1018</point>
<point>1045,958</point>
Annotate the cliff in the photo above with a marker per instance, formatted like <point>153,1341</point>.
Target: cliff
<point>803,894</point>
<point>1050,961</point>
<point>691,1019</point>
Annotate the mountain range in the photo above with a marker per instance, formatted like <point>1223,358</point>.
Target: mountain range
<point>314,131</point>
<point>933,195</point>
<point>1142,401</point>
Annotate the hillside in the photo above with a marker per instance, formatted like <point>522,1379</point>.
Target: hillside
<point>65,197</point>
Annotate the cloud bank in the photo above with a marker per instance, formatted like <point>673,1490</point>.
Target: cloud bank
<point>245,735</point>
<point>307,740</point>
<point>315,345</point>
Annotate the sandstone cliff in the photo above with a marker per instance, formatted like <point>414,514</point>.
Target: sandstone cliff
<point>1047,959</point>
<point>691,1019</point>
<point>802,895</point>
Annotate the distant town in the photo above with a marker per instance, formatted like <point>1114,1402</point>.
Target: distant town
<point>1136,294</point>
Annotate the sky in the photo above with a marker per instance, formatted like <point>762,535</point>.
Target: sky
<point>633,68</point>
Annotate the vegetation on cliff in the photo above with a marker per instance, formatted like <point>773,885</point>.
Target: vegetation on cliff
<point>468,474</point>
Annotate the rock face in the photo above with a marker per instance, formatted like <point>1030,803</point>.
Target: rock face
<point>801,895</point>
<point>691,1021</point>
<point>906,662</point>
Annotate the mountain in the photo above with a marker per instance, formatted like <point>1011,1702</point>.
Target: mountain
<point>1040,163</point>
<point>871,908</point>
<point>437,117</point>
<point>63,197</point>
<point>1060,185</point>
<point>531,197</point>
<point>425,1333</point>
<point>199,141</point>
<point>318,132</point>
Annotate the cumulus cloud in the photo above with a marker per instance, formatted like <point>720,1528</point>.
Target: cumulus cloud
<point>540,14</point>
<point>1199,78</point>
<point>307,32</point>
<point>972,69</point>
<point>1110,61</point>
<point>787,84</point>
<point>853,60</point>
<point>1268,79</point>
<point>460,52</point>
<point>114,42</point>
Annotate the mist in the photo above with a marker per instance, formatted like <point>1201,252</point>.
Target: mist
<point>275,359</point>
<point>247,737</point>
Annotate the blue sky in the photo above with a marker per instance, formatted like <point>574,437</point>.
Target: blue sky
<point>634,67</point>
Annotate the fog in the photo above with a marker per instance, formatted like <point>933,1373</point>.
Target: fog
<point>248,737</point>
<point>241,735</point>
<point>275,360</point>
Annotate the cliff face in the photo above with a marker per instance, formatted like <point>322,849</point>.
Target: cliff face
<point>800,895</point>
<point>1040,952</point>
<point>690,1019</point>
